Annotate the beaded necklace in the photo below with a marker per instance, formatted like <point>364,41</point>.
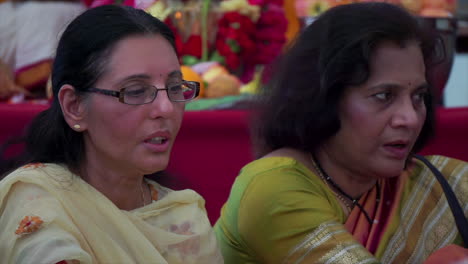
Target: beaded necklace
<point>340,194</point>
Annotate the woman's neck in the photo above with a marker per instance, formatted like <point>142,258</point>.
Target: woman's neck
<point>351,182</point>
<point>125,190</point>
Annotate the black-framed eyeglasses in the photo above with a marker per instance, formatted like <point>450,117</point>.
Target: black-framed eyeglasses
<point>138,94</point>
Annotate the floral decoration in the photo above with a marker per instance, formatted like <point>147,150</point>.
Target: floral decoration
<point>28,225</point>
<point>270,37</point>
<point>243,35</point>
<point>235,39</point>
<point>428,8</point>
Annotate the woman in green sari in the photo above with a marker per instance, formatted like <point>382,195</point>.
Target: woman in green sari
<point>336,180</point>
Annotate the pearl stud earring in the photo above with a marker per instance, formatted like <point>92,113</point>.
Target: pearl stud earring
<point>77,127</point>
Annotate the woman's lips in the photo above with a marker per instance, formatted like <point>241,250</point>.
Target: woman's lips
<point>158,142</point>
<point>397,150</point>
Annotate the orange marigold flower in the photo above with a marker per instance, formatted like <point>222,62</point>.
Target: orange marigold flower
<point>29,224</point>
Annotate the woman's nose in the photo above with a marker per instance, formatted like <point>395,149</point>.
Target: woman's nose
<point>406,115</point>
<point>162,105</point>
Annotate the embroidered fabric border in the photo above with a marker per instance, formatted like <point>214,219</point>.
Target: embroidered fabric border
<point>345,251</point>
<point>409,213</point>
<point>436,223</point>
<point>440,228</point>
<point>347,254</point>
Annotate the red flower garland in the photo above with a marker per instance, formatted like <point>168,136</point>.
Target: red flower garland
<point>241,42</point>
<point>235,38</point>
<point>177,39</point>
<point>270,34</point>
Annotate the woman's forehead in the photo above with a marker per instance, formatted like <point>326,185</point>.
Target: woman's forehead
<point>151,56</point>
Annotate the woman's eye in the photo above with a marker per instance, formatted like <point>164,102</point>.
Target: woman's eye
<point>384,96</point>
<point>175,89</point>
<point>136,91</point>
<point>419,96</point>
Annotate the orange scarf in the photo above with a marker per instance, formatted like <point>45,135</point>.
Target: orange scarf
<point>381,212</point>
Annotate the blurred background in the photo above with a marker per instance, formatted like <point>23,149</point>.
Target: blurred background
<point>228,46</point>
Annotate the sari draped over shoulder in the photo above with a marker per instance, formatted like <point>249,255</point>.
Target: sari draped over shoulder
<point>424,223</point>
<point>49,215</point>
<point>411,223</point>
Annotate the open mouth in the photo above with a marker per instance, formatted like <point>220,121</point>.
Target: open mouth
<point>399,146</point>
<point>157,140</point>
<point>397,149</point>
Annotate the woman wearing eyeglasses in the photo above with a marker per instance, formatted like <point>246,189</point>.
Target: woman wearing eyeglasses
<point>80,195</point>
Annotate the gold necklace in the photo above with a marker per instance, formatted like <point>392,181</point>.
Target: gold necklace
<point>142,194</point>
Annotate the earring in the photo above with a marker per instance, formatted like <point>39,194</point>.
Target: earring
<point>77,127</point>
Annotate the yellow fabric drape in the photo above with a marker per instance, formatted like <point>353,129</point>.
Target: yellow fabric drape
<point>81,224</point>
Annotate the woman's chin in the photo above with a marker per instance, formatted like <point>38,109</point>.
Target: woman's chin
<point>153,167</point>
<point>390,169</point>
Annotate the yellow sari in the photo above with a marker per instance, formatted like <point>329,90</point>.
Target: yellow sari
<point>281,212</point>
<point>48,215</point>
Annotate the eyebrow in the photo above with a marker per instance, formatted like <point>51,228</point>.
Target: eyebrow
<point>175,74</point>
<point>424,85</point>
<point>133,77</point>
<point>171,75</point>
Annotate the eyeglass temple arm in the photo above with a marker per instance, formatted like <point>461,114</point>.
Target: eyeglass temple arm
<point>106,92</point>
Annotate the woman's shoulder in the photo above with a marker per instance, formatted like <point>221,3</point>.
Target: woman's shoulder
<point>31,181</point>
<point>273,164</point>
<point>25,190</point>
<point>34,220</point>
<point>36,168</point>
<point>276,173</point>
<point>434,158</point>
<point>454,171</point>
<point>36,173</point>
<point>449,167</point>
<point>33,176</point>
<point>275,179</point>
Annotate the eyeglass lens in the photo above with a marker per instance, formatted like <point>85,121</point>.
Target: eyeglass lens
<point>141,94</point>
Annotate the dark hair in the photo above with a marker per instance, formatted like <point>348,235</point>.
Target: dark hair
<point>299,107</point>
<point>81,59</point>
